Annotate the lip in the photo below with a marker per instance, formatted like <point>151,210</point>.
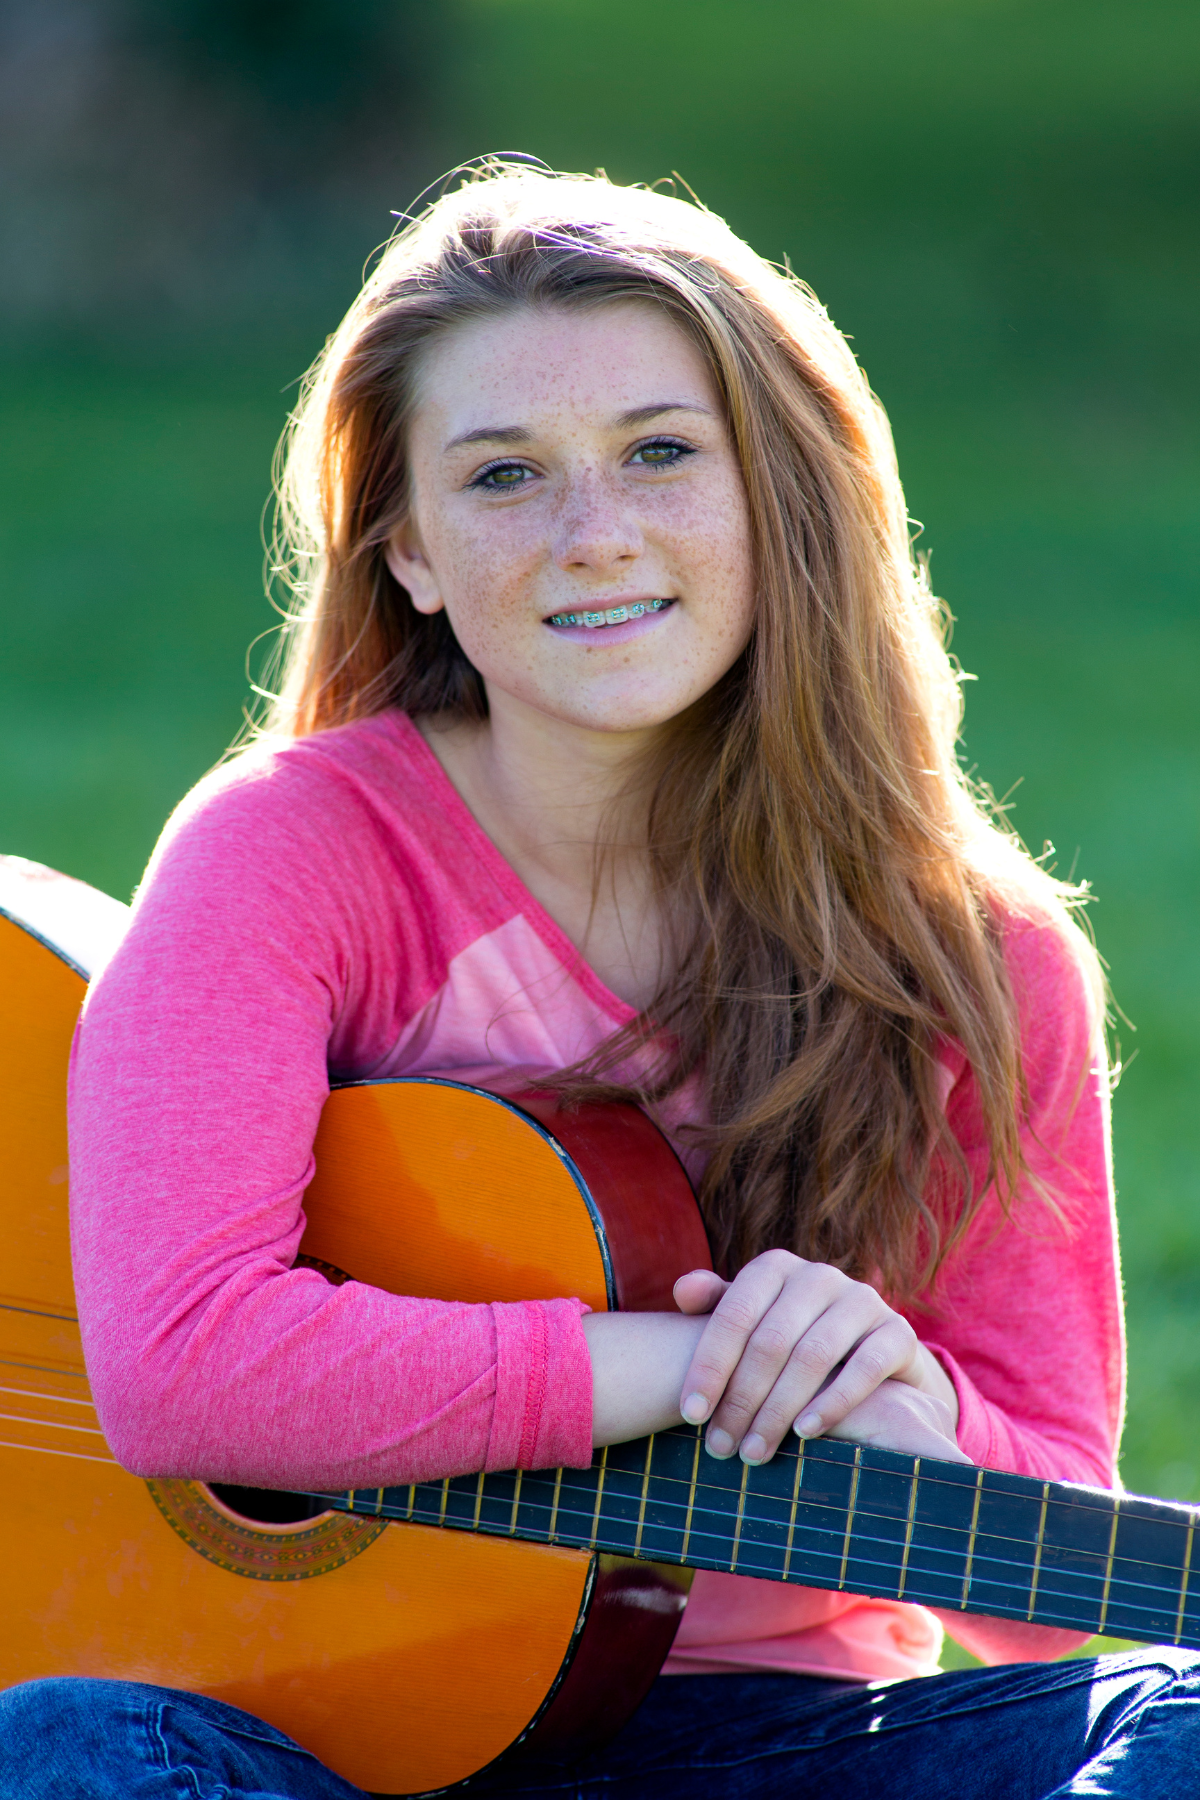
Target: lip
<point>610,636</point>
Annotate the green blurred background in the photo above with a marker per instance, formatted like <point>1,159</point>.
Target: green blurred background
<point>996,198</point>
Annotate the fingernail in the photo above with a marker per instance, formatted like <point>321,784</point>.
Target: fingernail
<point>719,1444</point>
<point>695,1409</point>
<point>754,1448</point>
<point>808,1425</point>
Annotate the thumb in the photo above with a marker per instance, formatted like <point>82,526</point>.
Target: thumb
<point>699,1291</point>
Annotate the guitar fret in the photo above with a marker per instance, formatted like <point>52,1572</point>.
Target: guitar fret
<point>1108,1566</point>
<point>1037,1558</point>
<point>687,1523</point>
<point>737,1530</point>
<point>860,1520</point>
<point>641,1524</point>
<point>850,1515</point>
<point>966,1586</point>
<point>1183,1584</point>
<point>908,1527</point>
<point>603,1470</point>
<point>787,1557</point>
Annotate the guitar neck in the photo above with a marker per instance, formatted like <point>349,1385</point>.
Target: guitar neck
<point>831,1515</point>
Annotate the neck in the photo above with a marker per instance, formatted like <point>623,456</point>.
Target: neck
<point>548,792</point>
<point>558,803</point>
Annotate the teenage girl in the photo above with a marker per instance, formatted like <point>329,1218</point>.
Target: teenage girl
<point>615,743</point>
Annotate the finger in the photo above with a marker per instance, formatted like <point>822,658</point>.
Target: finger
<point>699,1291</point>
<point>905,1422</point>
<point>769,1391</point>
<point>724,1338</point>
<point>874,1359</point>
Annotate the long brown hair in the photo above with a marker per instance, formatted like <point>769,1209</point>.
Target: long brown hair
<point>833,879</point>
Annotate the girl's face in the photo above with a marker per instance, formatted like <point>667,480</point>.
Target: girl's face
<point>578,462</point>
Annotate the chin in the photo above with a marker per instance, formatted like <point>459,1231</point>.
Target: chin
<point>622,715</point>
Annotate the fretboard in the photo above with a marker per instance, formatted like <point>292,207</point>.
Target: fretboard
<point>827,1514</point>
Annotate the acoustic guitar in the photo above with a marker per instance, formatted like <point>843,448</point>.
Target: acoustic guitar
<point>411,1635</point>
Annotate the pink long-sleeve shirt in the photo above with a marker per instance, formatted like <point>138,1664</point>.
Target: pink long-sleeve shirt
<point>331,909</point>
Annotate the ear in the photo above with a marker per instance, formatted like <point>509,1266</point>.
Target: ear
<point>407,561</point>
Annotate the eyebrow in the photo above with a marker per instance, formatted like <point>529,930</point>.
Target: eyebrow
<point>492,434</point>
<point>516,435</point>
<point>641,415</point>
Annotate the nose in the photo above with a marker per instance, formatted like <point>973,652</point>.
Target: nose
<point>596,529</point>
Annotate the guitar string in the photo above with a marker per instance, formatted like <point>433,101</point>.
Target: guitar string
<point>929,1479</point>
<point>8,1362</point>
<point>1048,1592</point>
<point>981,1557</point>
<point>1126,1611</point>
<point>1068,1620</point>
<point>754,1517</point>
<point>55,1399</point>
<point>992,1563</point>
<point>50,1424</point>
<point>838,1508</point>
<point>1190,1513</point>
<point>837,1513</point>
<point>109,1462</point>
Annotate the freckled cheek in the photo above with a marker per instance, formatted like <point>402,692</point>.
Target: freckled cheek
<point>712,532</point>
<point>484,582</point>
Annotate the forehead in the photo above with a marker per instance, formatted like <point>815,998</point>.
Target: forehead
<point>591,364</point>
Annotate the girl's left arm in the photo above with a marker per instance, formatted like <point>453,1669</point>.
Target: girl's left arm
<point>1027,1320</point>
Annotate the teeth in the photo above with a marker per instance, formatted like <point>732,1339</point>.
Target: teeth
<point>616,615</point>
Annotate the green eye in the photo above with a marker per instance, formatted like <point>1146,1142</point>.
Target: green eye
<point>501,478</point>
<point>663,453</point>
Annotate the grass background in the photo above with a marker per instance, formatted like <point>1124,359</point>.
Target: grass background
<point>997,201</point>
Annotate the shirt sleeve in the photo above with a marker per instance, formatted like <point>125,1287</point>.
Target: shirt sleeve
<point>269,937</point>
<point>1027,1319</point>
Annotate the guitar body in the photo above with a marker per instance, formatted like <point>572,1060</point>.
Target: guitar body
<point>405,1657</point>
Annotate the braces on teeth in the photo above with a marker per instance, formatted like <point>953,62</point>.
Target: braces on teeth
<point>617,616</point>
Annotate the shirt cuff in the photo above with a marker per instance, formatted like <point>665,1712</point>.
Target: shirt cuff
<point>974,1433</point>
<point>542,1417</point>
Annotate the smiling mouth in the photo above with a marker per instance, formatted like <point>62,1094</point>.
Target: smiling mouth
<point>616,615</point>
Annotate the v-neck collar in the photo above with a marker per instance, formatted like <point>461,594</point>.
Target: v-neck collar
<point>489,858</point>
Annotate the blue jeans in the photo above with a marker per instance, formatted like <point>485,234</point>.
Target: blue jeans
<point>1126,1726</point>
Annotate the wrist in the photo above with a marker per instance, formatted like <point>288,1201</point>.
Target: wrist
<point>639,1361</point>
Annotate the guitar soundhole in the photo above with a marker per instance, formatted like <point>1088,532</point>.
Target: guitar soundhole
<point>260,1534</point>
<point>265,1506</point>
